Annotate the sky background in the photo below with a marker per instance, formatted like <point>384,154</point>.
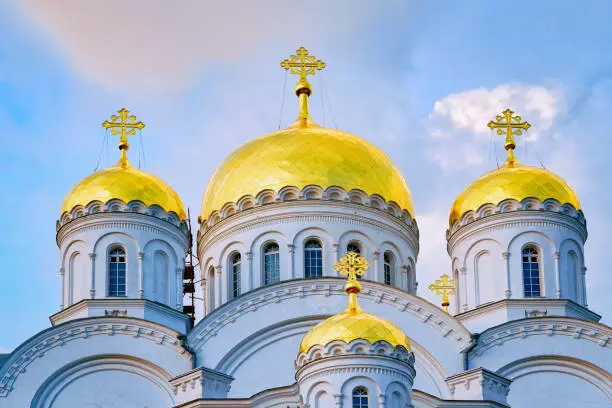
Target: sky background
<point>418,79</point>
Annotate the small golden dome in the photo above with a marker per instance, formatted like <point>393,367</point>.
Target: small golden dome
<point>513,181</point>
<point>304,155</point>
<point>353,323</point>
<point>126,183</point>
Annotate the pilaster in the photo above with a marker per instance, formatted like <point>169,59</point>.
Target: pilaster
<point>92,291</point>
<point>141,275</point>
<point>508,292</point>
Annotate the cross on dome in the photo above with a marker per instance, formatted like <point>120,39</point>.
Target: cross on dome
<point>123,125</point>
<point>302,64</point>
<point>511,126</point>
<point>443,286</point>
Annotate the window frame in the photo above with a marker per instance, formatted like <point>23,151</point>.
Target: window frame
<point>266,279</point>
<point>116,293</point>
<point>308,259</point>
<point>527,271</point>
<point>362,393</point>
<point>235,266</point>
<point>389,268</point>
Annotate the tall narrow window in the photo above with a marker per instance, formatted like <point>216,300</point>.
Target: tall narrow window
<point>388,267</point>
<point>313,259</point>
<point>271,263</point>
<point>116,272</point>
<point>236,264</point>
<point>354,246</point>
<point>360,397</point>
<point>531,272</point>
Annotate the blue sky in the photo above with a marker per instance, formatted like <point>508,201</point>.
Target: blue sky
<point>419,79</point>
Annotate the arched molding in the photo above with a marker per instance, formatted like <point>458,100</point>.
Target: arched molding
<point>56,383</point>
<point>591,373</point>
<point>260,240</point>
<point>61,335</point>
<point>390,246</point>
<point>228,249</point>
<point>399,388</point>
<point>530,240</point>
<point>364,381</point>
<point>74,246</point>
<point>157,244</point>
<point>476,246</point>
<point>117,238</point>
<point>316,390</point>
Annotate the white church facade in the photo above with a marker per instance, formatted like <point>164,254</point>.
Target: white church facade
<point>281,328</point>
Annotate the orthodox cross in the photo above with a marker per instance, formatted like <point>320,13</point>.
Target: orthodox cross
<point>511,126</point>
<point>123,125</point>
<point>353,265</point>
<point>302,64</point>
<point>443,286</point>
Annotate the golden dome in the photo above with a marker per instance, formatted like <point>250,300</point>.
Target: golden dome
<point>513,181</point>
<point>300,156</point>
<point>305,154</point>
<point>126,183</point>
<point>353,323</point>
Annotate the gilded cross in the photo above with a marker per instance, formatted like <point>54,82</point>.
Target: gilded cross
<point>302,64</point>
<point>443,286</point>
<point>353,265</point>
<point>123,125</point>
<point>511,126</point>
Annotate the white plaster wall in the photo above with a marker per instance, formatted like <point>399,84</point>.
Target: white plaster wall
<point>500,238</point>
<point>89,238</point>
<point>47,362</point>
<point>243,334</point>
<point>290,225</point>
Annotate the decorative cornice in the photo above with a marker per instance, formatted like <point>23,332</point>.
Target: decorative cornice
<point>118,206</point>
<point>549,326</point>
<point>528,303</point>
<point>116,221</point>
<point>357,347</point>
<point>236,308</point>
<point>311,193</point>
<point>248,220</point>
<point>36,347</point>
<point>521,219</point>
<point>512,205</point>
<point>358,369</point>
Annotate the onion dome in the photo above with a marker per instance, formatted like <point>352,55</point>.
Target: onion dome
<point>123,181</point>
<point>512,180</point>
<point>354,323</point>
<point>306,154</point>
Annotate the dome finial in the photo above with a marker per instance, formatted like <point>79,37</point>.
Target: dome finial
<point>511,126</point>
<point>352,265</point>
<point>123,125</point>
<point>303,65</point>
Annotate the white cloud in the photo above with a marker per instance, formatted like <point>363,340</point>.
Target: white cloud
<point>4,350</point>
<point>457,125</point>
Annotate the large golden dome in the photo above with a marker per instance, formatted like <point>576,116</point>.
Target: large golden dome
<point>305,154</point>
<point>513,181</point>
<point>126,183</point>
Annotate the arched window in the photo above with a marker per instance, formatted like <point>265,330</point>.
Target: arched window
<point>313,259</point>
<point>531,272</point>
<point>354,246</point>
<point>271,263</point>
<point>360,397</point>
<point>235,265</point>
<point>388,267</point>
<point>117,285</point>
